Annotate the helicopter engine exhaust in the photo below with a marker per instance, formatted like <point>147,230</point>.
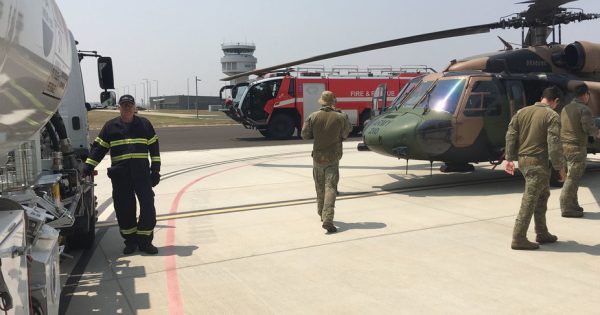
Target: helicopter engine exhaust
<point>580,56</point>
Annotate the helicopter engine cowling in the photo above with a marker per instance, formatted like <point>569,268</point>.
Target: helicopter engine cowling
<point>580,56</point>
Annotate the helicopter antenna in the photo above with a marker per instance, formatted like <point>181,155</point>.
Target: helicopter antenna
<point>507,45</point>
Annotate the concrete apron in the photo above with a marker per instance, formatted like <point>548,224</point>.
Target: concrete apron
<point>238,233</point>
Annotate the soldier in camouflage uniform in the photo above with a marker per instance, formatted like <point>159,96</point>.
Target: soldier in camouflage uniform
<point>576,126</point>
<point>534,135</point>
<point>329,128</point>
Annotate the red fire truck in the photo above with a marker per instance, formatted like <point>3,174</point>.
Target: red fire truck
<point>277,104</point>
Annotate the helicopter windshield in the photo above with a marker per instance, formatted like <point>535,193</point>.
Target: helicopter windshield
<point>409,87</point>
<point>417,94</point>
<point>444,96</point>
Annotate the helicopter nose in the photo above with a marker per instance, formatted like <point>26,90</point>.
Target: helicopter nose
<point>434,136</point>
<point>409,136</point>
<point>393,134</point>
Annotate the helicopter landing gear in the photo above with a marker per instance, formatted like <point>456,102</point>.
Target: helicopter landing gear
<point>457,168</point>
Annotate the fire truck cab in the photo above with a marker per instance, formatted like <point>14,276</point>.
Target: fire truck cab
<point>277,105</point>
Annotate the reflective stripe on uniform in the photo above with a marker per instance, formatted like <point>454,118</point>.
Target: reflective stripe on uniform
<point>129,231</point>
<point>102,142</point>
<point>153,139</point>
<point>141,232</point>
<point>91,162</point>
<point>128,141</point>
<point>129,156</point>
<point>155,159</point>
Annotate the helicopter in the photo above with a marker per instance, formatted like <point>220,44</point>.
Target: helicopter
<point>460,116</point>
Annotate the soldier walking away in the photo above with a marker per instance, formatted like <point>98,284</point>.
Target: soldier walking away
<point>130,138</point>
<point>329,127</point>
<point>576,126</point>
<point>533,136</point>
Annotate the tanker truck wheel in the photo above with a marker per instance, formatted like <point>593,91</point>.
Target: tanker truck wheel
<point>84,235</point>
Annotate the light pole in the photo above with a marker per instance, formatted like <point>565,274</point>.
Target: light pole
<point>197,96</point>
<point>156,91</point>
<point>188,92</point>
<point>143,92</point>
<point>148,90</point>
<point>134,90</point>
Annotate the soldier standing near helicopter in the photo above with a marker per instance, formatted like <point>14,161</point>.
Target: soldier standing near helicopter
<point>576,126</point>
<point>329,127</point>
<point>533,136</point>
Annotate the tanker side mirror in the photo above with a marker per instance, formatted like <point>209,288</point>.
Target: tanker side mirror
<point>108,99</point>
<point>105,73</point>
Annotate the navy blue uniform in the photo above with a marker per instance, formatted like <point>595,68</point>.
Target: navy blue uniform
<point>130,174</point>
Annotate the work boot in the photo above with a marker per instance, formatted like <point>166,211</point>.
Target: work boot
<point>523,244</point>
<point>129,249</point>
<point>329,227</point>
<point>149,249</point>
<point>579,208</point>
<point>572,214</point>
<point>544,238</point>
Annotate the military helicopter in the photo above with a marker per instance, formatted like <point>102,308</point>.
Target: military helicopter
<point>460,116</point>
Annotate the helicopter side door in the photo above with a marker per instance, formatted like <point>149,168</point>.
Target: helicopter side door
<point>516,95</point>
<point>485,109</point>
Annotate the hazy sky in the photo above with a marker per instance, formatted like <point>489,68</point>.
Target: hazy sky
<point>173,41</point>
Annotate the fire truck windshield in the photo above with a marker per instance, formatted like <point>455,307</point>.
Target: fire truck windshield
<point>237,92</point>
<point>257,96</point>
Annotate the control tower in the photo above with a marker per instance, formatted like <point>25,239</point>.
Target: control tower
<point>238,59</point>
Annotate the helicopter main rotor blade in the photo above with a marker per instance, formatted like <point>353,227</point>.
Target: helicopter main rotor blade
<point>463,31</point>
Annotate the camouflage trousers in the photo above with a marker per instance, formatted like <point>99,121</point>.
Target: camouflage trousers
<point>575,156</point>
<point>326,178</point>
<point>535,198</point>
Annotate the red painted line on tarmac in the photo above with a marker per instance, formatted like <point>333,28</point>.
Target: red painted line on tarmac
<point>173,292</point>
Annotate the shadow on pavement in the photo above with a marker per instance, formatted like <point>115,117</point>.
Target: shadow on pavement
<point>99,293</point>
<point>572,247</point>
<point>342,226</point>
<point>171,250</point>
<point>590,216</point>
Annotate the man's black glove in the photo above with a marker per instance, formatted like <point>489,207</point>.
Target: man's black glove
<point>155,178</point>
<point>87,170</point>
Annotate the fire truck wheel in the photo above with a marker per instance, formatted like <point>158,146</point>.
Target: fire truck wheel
<point>281,126</point>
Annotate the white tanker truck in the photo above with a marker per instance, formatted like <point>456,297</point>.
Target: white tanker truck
<point>45,202</point>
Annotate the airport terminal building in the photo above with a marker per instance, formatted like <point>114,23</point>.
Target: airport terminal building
<point>183,102</point>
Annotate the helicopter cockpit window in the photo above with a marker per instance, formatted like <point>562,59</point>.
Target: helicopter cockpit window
<point>417,94</point>
<point>405,91</point>
<point>444,96</point>
<point>484,100</point>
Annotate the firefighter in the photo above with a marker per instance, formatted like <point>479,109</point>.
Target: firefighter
<point>130,138</point>
<point>329,127</point>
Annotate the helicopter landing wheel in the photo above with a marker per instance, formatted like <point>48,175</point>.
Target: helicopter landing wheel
<point>457,168</point>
